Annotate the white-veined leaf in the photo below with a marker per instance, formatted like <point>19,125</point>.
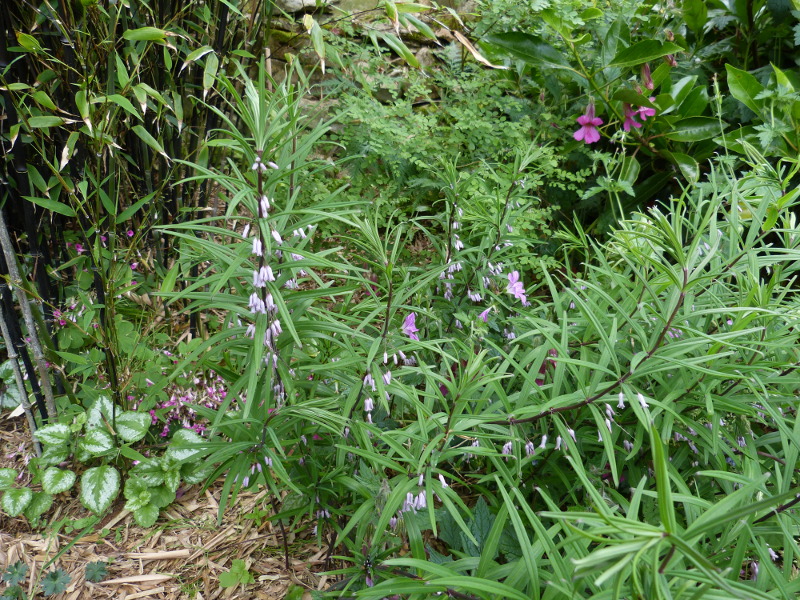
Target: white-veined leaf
<point>132,426</point>
<point>57,434</point>
<point>38,505</point>
<point>180,438</point>
<point>102,412</point>
<point>52,455</point>
<point>55,480</point>
<point>97,441</point>
<point>14,501</point>
<point>7,478</point>
<point>149,471</point>
<point>99,487</point>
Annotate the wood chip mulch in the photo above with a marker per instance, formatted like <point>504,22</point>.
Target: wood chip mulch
<point>180,557</point>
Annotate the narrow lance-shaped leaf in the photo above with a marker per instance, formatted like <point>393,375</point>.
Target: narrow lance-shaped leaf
<point>665,506</point>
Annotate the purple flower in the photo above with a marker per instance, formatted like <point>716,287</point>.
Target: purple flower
<point>508,448</point>
<point>630,120</point>
<point>589,124</point>
<point>485,315</point>
<point>515,287</point>
<point>410,326</point>
<point>645,112</point>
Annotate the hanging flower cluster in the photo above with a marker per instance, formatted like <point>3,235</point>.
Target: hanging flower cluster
<point>261,301</point>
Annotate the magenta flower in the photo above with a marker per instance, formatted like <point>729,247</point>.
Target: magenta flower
<point>410,326</point>
<point>589,124</point>
<point>645,112</point>
<point>515,287</point>
<point>630,117</point>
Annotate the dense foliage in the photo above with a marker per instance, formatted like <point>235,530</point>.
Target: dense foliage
<point>496,303</point>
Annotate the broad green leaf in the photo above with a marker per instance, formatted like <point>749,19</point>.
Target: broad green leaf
<point>44,122</point>
<point>633,98</point>
<point>137,494</point>
<point>149,471</point>
<point>695,129</point>
<point>781,79</point>
<point>744,87</point>
<point>643,52</point>
<point>177,449</point>
<point>16,500</point>
<point>44,100</point>
<point>39,504</point>
<point>695,14</point>
<point>99,488</point>
<point>7,478</point>
<point>238,574</point>
<point>528,48</point>
<point>687,165</point>
<point>145,34</point>
<point>97,441</point>
<point>101,413</point>
<point>422,27</point>
<point>196,473</point>
<point>148,139</point>
<point>168,283</point>
<point>55,480</point>
<point>122,72</point>
<point>120,101</point>
<point>210,72</point>
<point>7,371</point>
<point>83,107</point>
<point>400,48</point>
<point>54,205</point>
<point>30,43</point>
<point>54,454</point>
<point>132,426</point>
<point>196,55</point>
<point>56,434</point>
<point>146,516</point>
<point>591,13</point>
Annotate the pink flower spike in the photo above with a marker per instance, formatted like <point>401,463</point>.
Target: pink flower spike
<point>410,326</point>
<point>589,123</point>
